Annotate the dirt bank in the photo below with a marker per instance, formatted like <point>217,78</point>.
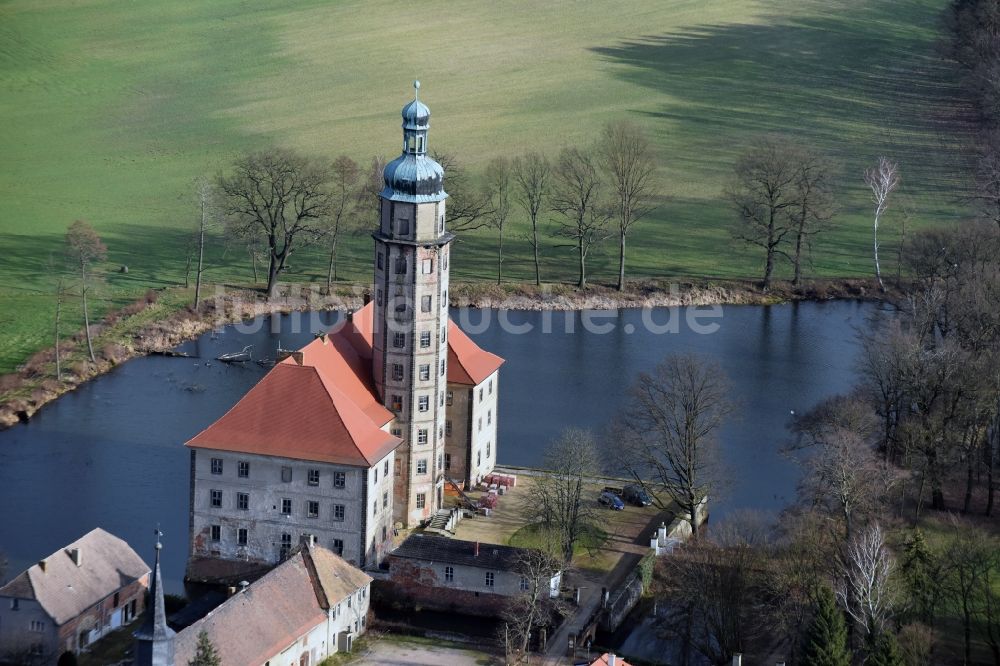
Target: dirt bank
<point>148,326</point>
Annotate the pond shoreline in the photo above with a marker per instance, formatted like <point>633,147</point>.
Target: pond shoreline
<point>33,386</point>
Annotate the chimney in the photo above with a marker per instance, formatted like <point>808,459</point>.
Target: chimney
<point>230,591</point>
<point>42,564</point>
<point>476,551</point>
<point>662,532</point>
<point>76,555</point>
<point>737,659</point>
<point>612,659</point>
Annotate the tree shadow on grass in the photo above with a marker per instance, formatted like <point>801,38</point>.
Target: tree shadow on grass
<point>853,81</point>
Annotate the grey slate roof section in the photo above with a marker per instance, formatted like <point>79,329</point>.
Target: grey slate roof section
<point>65,590</point>
<point>432,548</point>
<point>414,179</point>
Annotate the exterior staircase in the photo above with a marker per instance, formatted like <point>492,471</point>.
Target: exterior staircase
<point>444,522</point>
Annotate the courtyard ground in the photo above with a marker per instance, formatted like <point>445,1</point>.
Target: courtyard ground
<point>408,651</point>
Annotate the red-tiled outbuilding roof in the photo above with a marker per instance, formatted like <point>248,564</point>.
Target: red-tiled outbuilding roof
<point>468,363</point>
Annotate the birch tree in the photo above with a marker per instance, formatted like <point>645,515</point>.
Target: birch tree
<point>865,589</point>
<point>882,179</point>
<point>627,157</point>
<point>532,178</point>
<point>666,435</point>
<point>207,197</point>
<point>85,248</point>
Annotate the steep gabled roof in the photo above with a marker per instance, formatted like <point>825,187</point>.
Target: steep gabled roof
<point>468,363</point>
<point>257,623</point>
<point>64,589</point>
<point>299,412</point>
<point>337,578</point>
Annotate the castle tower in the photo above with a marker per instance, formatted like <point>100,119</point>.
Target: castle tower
<point>410,344</point>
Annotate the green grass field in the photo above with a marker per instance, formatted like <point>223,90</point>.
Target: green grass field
<point>110,110</point>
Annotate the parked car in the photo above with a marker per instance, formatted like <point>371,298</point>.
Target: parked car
<point>636,495</point>
<point>609,499</point>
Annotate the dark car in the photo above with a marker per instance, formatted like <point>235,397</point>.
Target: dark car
<point>609,499</point>
<point>636,495</point>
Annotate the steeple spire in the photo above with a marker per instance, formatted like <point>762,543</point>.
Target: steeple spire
<point>154,642</point>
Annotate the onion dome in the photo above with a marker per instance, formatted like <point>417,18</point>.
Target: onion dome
<point>413,176</point>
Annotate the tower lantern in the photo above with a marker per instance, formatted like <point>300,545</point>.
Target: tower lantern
<point>409,343</point>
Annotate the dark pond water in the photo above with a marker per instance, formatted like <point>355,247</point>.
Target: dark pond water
<point>110,454</point>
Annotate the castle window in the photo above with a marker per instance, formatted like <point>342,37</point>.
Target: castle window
<point>447,461</point>
<point>422,466</point>
<point>286,506</point>
<point>379,261</point>
<point>286,474</point>
<point>399,340</point>
<point>374,513</point>
<point>488,444</point>
<point>480,395</point>
<point>422,403</point>
<point>447,427</point>
<point>425,373</point>
<point>427,266</point>
<point>425,304</point>
<point>385,468</point>
<point>243,469</point>
<point>449,574</point>
<point>451,397</point>
<point>242,536</point>
<point>420,144</point>
<point>491,387</point>
<point>217,498</point>
<point>338,547</point>
<point>425,339</point>
<point>444,294</point>
<point>480,424</point>
<point>400,265</point>
<point>385,503</point>
<point>338,512</point>
<point>314,477</point>
<point>441,224</point>
<point>397,372</point>
<point>489,579</point>
<point>422,436</point>
<point>312,509</point>
<point>243,501</point>
<point>378,297</point>
<point>216,532</point>
<point>444,333</point>
<point>524,584</point>
<point>421,500</point>
<point>402,228</point>
<point>440,437</point>
<point>286,546</point>
<point>489,417</point>
<point>444,255</point>
<point>339,479</point>
<point>375,476</point>
<point>442,367</point>
<point>479,459</point>
<point>38,626</point>
<point>216,465</point>
<point>397,406</point>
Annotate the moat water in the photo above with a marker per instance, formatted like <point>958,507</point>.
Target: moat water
<point>111,453</point>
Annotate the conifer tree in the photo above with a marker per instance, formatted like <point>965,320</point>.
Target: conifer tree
<point>205,654</point>
<point>825,642</point>
<point>883,650</point>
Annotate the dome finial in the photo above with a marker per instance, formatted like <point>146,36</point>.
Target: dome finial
<point>416,89</point>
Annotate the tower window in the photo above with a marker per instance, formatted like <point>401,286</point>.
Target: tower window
<point>378,297</point>
<point>451,395</point>
<point>401,266</point>
<point>425,372</point>
<point>441,224</point>
<point>427,266</point>
<point>422,466</point>
<point>447,461</point>
<point>378,261</point>
<point>397,372</point>
<point>385,502</point>
<point>421,500</point>
<point>447,427</point>
<point>425,339</point>
<point>442,367</point>
<point>444,334</point>
<point>399,340</point>
<point>422,403</point>
<point>422,436</point>
<point>397,404</point>
<point>420,144</point>
<point>403,229</point>
<point>425,304</point>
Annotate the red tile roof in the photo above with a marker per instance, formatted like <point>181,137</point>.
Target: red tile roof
<point>323,406</point>
<point>299,412</point>
<point>468,363</point>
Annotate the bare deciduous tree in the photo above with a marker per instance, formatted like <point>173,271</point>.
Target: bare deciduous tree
<point>666,433</point>
<point>343,208</point>
<point>558,500</point>
<point>534,606</point>
<point>764,192</point>
<point>498,186</point>
<point>85,247</point>
<point>207,197</point>
<point>883,178</point>
<point>532,175</point>
<point>468,205</point>
<point>576,197</point>
<point>280,197</point>
<point>865,589</point>
<point>814,207</point>
<point>627,157</point>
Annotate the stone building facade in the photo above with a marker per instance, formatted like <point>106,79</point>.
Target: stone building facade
<point>350,435</point>
<point>72,598</point>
